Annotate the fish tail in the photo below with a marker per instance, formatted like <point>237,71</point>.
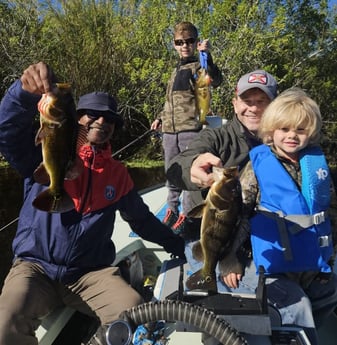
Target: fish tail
<point>202,119</point>
<point>49,202</point>
<point>230,264</point>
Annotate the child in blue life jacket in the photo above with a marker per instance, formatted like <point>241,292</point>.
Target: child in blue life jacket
<point>287,193</point>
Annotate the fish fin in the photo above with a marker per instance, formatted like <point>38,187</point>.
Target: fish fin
<point>199,280</point>
<point>197,251</point>
<point>47,202</point>
<point>81,137</point>
<point>196,212</point>
<point>230,264</point>
<point>40,135</point>
<point>41,175</point>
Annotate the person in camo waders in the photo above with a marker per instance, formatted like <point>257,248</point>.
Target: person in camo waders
<point>179,120</point>
<point>65,258</point>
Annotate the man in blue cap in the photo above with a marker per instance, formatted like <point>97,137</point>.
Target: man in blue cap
<point>65,258</point>
<point>100,103</point>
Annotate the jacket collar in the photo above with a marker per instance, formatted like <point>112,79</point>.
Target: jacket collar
<point>90,154</point>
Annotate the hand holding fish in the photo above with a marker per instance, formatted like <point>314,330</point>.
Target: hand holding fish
<point>201,169</point>
<point>58,136</point>
<point>219,213</point>
<point>204,45</point>
<point>37,78</point>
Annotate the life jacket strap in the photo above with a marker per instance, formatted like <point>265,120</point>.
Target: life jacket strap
<point>303,220</point>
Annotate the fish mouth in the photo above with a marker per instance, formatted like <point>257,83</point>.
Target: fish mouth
<point>200,281</point>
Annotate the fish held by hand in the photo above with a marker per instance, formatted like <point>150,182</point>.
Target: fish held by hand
<point>203,94</point>
<point>220,213</point>
<point>58,136</point>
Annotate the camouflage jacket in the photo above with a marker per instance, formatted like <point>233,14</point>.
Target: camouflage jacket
<point>251,197</point>
<point>180,113</point>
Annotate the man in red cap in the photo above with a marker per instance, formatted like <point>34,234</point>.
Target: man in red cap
<point>225,146</point>
<point>229,146</point>
<point>65,258</point>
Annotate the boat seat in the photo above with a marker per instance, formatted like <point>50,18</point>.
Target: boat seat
<point>243,311</point>
<point>53,324</point>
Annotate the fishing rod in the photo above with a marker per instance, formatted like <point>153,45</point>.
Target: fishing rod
<point>132,142</point>
<point>113,155</point>
<point>9,224</point>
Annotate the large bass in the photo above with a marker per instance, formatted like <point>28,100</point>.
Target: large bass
<point>58,136</point>
<point>220,214</point>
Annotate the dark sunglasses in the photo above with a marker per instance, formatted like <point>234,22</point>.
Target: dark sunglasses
<point>94,115</point>
<point>188,41</point>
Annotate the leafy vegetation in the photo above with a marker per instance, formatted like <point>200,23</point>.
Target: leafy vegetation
<point>125,48</point>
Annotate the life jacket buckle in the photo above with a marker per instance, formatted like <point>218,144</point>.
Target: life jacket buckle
<point>319,218</point>
<point>324,241</point>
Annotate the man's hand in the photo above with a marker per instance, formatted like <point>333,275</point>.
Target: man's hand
<point>37,78</point>
<point>201,169</point>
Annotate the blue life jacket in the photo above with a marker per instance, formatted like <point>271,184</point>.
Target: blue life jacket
<point>291,231</point>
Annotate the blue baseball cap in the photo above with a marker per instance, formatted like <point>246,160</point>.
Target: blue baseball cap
<point>100,102</point>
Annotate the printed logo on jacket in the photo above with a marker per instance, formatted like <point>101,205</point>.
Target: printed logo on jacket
<point>110,192</point>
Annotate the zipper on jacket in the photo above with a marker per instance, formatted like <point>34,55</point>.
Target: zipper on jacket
<point>84,201</point>
<point>86,194</point>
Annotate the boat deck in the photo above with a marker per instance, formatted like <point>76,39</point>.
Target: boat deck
<point>152,257</point>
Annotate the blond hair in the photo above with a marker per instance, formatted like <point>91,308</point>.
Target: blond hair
<point>186,27</point>
<point>293,108</point>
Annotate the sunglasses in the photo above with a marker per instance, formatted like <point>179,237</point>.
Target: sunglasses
<point>188,41</point>
<point>94,115</point>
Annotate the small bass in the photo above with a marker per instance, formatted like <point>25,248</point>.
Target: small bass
<point>203,94</point>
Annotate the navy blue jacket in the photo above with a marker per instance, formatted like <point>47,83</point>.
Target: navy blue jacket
<point>70,244</point>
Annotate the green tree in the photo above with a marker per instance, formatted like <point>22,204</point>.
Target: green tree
<point>20,28</point>
<point>125,47</point>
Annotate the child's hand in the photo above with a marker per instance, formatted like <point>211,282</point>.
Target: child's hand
<point>232,280</point>
<point>204,45</point>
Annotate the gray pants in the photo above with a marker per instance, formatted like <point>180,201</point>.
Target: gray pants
<point>173,144</point>
<point>29,295</point>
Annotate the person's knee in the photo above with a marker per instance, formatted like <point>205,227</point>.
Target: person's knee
<point>291,301</point>
<point>15,328</point>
